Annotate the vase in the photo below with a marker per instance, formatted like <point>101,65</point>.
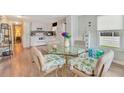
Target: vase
<point>66,43</point>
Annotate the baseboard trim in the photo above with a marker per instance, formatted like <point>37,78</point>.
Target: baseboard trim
<point>118,62</point>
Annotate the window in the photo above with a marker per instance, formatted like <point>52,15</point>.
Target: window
<point>109,39</point>
<point>116,34</point>
<point>106,33</point>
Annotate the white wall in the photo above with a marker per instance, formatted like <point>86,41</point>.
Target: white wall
<point>60,28</point>
<point>111,22</point>
<point>26,34</point>
<point>68,24</point>
<point>92,30</point>
<point>122,39</point>
<point>72,27</point>
<point>83,27</point>
<point>78,25</point>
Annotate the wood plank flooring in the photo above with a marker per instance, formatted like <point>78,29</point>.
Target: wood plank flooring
<point>20,65</point>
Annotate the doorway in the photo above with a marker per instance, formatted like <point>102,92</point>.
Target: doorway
<point>17,38</point>
<point>18,29</point>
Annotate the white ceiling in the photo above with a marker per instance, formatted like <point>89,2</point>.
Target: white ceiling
<point>46,18</point>
<point>37,18</point>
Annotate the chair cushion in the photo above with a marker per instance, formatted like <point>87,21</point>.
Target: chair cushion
<point>81,51</point>
<point>86,65</point>
<point>52,61</point>
<point>77,49</point>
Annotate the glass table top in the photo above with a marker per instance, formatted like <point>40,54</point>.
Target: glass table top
<point>86,65</point>
<point>70,51</point>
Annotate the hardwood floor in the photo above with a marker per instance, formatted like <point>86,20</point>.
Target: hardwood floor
<point>20,65</point>
<point>116,70</point>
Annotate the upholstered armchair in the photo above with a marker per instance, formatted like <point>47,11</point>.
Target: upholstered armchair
<point>91,67</point>
<point>46,63</point>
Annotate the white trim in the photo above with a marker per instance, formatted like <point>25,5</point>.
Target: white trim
<point>118,62</point>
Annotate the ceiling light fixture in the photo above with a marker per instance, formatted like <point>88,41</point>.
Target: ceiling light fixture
<point>16,23</point>
<point>19,16</point>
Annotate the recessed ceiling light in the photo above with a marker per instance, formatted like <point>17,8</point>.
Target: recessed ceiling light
<point>18,16</point>
<point>16,23</point>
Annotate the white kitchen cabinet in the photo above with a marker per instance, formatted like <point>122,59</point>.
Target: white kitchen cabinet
<point>37,40</point>
<point>110,22</point>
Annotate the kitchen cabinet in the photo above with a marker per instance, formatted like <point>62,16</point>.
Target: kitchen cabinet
<point>42,37</point>
<point>37,41</point>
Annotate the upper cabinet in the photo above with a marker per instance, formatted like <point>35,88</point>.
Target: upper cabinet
<point>110,22</point>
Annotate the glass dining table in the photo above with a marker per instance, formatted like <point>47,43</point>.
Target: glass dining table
<point>67,53</point>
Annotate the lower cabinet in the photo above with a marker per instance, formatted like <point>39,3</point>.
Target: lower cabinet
<point>37,41</point>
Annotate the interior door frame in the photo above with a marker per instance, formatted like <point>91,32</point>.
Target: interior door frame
<point>14,38</point>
